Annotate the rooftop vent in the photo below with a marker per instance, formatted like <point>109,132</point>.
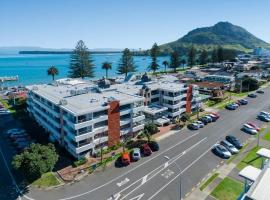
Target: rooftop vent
<point>63,102</point>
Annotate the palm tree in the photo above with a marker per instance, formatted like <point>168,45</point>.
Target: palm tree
<point>106,66</point>
<point>52,71</point>
<point>165,63</point>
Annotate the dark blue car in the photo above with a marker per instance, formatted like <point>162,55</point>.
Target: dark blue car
<point>243,101</point>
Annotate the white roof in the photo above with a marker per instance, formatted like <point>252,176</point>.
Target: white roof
<point>260,190</point>
<point>154,109</point>
<point>250,173</point>
<point>264,153</point>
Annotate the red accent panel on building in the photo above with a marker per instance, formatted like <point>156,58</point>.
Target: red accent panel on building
<point>113,123</point>
<point>189,99</point>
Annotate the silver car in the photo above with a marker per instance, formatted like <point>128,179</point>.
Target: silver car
<point>136,154</point>
<point>232,149</point>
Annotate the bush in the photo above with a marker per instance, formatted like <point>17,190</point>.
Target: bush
<point>79,162</point>
<point>150,128</point>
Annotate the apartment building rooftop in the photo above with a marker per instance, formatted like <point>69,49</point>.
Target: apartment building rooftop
<point>80,97</point>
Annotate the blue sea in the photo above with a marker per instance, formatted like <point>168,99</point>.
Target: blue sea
<point>32,68</point>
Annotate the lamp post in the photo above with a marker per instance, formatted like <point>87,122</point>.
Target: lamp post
<point>180,176</point>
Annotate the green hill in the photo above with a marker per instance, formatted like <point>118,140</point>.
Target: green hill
<point>223,33</point>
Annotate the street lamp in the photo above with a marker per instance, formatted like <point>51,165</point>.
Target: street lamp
<point>180,176</point>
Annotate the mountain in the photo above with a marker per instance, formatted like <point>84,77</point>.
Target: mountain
<point>223,33</point>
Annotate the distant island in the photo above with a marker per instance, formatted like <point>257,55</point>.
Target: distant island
<point>64,52</point>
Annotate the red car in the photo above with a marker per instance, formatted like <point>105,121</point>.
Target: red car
<point>145,150</point>
<point>125,158</point>
<point>217,115</point>
<point>254,126</point>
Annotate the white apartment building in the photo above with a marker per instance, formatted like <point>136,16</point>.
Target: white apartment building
<point>82,117</point>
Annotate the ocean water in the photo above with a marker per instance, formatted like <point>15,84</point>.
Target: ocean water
<point>32,69</point>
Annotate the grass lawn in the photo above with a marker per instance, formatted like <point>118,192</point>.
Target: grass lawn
<point>267,136</point>
<point>222,104</point>
<point>46,180</point>
<point>238,94</point>
<point>250,159</point>
<point>228,189</point>
<point>235,155</point>
<point>204,185</point>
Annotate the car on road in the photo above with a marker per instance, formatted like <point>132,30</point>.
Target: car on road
<point>232,149</point>
<point>249,129</point>
<point>200,123</point>
<point>234,141</point>
<point>213,117</point>
<point>231,106</point>
<point>260,91</point>
<point>252,95</point>
<point>153,145</point>
<point>145,150</point>
<point>221,151</point>
<point>193,126</point>
<point>265,113</point>
<point>136,154</point>
<point>264,118</point>
<point>243,101</point>
<point>125,159</point>
<point>257,128</point>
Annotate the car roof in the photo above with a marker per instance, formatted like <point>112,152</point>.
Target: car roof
<point>248,126</point>
<point>125,155</point>
<point>136,150</point>
<point>226,142</point>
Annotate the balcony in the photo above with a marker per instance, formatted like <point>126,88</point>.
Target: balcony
<point>125,131</point>
<point>138,128</point>
<point>47,117</point>
<point>101,140</point>
<point>90,122</point>
<point>85,147</point>
<point>125,111</point>
<point>100,129</point>
<point>138,109</point>
<point>138,118</point>
<point>174,98</point>
<point>46,107</point>
<point>125,121</point>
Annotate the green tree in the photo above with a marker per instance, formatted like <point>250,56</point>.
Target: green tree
<point>183,62</point>
<point>81,64</point>
<point>150,128</point>
<point>154,52</point>
<point>175,62</point>
<point>214,56</point>
<point>52,71</point>
<point>106,66</point>
<point>36,160</point>
<point>220,54</point>
<point>126,63</point>
<point>165,63</point>
<point>203,57</point>
<point>250,84</point>
<point>192,56</point>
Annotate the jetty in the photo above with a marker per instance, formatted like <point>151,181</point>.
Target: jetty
<point>9,78</point>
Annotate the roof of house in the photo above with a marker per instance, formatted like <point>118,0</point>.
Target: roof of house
<point>206,84</point>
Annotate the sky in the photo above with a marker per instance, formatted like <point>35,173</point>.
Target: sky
<point>122,23</point>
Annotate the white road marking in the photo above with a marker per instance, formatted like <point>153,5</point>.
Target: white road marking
<point>160,169</point>
<point>144,179</point>
<point>162,188</point>
<point>124,174</point>
<point>126,180</point>
<point>115,197</point>
<point>167,174</point>
<point>138,197</point>
<point>166,163</point>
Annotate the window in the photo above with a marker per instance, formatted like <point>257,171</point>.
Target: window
<point>101,124</point>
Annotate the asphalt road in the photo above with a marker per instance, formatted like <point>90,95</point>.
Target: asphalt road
<point>156,177</point>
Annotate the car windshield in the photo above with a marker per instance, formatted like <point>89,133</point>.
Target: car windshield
<point>136,154</point>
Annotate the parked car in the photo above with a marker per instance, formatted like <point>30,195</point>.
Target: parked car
<point>217,115</point>
<point>265,113</point>
<point>260,91</point>
<point>204,120</point>
<point>136,154</point>
<point>200,123</point>
<point>264,118</point>
<point>252,95</point>
<point>249,129</point>
<point>232,149</point>
<point>221,151</point>
<point>193,126</point>
<point>213,117</point>
<point>234,141</point>
<point>153,145</point>
<point>145,150</point>
<point>125,159</point>
<point>231,106</point>
<point>257,128</point>
<point>243,101</point>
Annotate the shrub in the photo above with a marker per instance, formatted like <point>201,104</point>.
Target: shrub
<point>150,128</point>
<point>79,162</point>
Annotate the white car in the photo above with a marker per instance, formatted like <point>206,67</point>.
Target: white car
<point>199,123</point>
<point>265,113</point>
<point>249,129</point>
<point>232,149</point>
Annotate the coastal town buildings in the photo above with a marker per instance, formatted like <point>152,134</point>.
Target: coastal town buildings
<point>83,116</point>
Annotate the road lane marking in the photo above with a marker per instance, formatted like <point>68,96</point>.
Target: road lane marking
<point>166,163</point>
<point>167,173</point>
<point>172,160</point>
<point>124,174</point>
<point>126,180</point>
<point>138,197</point>
<point>162,188</point>
<point>115,197</point>
<point>144,179</point>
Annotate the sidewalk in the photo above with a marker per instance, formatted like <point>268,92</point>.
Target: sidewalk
<point>226,170</point>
